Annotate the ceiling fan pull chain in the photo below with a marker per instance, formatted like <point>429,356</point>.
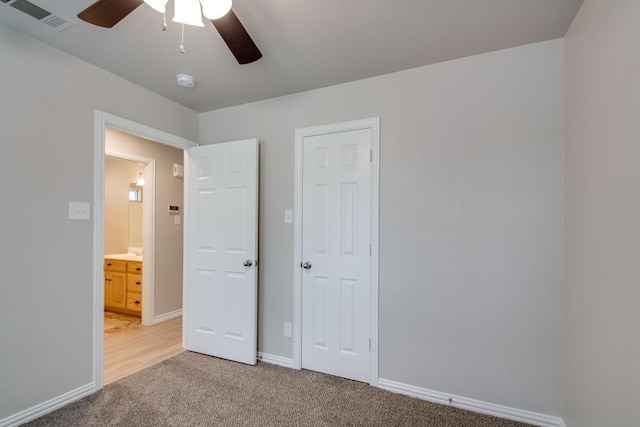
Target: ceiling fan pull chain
<point>182,49</point>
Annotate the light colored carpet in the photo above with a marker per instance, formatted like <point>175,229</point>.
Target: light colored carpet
<point>191,389</point>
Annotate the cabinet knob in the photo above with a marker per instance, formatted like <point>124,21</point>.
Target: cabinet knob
<point>138,283</point>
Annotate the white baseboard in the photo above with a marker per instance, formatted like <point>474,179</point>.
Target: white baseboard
<point>48,406</point>
<point>167,316</point>
<point>275,360</point>
<point>474,405</point>
<point>515,414</point>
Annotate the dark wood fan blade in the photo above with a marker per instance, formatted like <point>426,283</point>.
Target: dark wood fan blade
<point>107,13</point>
<point>237,38</point>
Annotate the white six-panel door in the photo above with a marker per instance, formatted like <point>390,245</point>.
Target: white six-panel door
<point>336,239</point>
<point>220,291</point>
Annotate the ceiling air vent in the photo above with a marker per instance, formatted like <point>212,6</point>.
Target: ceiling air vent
<point>56,22</point>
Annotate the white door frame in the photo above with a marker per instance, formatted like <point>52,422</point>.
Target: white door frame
<point>102,121</point>
<point>373,124</point>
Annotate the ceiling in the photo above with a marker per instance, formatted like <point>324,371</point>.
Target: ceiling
<point>305,44</point>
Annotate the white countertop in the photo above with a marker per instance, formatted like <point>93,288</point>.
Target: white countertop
<point>125,257</point>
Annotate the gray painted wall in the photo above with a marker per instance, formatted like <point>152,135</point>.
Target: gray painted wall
<point>471,218</point>
<point>601,357</point>
<point>46,261</point>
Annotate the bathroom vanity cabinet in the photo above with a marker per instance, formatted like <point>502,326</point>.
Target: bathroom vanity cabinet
<point>123,286</point>
<point>134,286</point>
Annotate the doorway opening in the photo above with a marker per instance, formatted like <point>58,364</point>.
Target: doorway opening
<point>104,122</point>
<point>129,225</point>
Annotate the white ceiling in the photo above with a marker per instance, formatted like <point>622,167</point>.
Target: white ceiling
<point>305,44</point>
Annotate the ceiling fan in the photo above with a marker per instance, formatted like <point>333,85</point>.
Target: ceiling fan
<point>107,13</point>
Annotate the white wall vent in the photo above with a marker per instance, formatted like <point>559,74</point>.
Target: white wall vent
<point>54,21</point>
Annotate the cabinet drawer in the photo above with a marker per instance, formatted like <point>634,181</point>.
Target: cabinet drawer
<point>134,282</point>
<point>134,301</point>
<point>134,267</point>
<point>115,265</point>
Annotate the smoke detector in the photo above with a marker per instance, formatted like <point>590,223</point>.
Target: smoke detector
<point>185,80</point>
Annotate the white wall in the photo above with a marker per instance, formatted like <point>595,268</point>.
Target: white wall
<point>471,218</point>
<point>601,356</point>
<point>46,146</point>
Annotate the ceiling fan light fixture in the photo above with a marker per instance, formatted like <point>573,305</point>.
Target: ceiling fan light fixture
<point>188,12</point>
<point>107,13</point>
<point>159,5</point>
<point>215,9</point>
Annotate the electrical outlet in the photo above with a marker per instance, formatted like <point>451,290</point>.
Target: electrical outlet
<point>287,330</point>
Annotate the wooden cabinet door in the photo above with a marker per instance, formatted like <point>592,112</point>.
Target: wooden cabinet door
<point>115,289</point>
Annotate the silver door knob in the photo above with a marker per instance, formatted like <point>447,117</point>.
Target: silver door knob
<point>247,263</point>
<point>306,265</point>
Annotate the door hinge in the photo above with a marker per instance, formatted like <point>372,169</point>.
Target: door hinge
<point>370,250</point>
<point>370,155</point>
<point>369,344</point>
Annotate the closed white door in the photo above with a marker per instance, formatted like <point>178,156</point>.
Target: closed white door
<point>221,221</point>
<point>336,224</point>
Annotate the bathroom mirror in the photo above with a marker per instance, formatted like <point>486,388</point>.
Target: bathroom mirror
<point>135,215</point>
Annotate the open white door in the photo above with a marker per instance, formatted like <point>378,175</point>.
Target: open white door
<point>221,249</point>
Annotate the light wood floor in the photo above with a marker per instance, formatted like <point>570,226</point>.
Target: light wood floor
<point>137,348</point>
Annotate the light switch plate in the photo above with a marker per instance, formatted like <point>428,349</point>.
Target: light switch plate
<point>288,216</point>
<point>287,329</point>
<point>79,210</point>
